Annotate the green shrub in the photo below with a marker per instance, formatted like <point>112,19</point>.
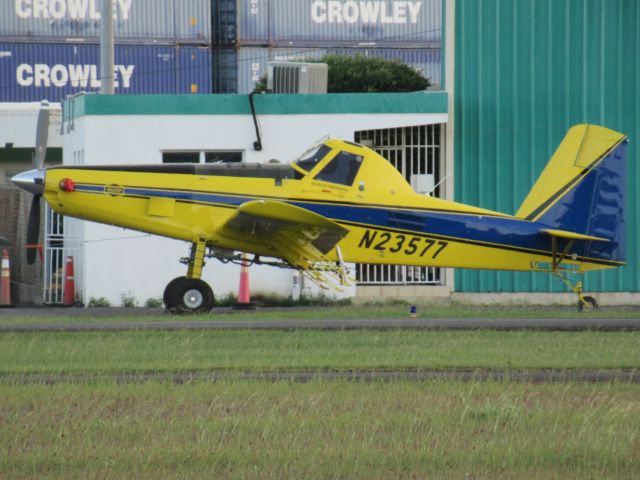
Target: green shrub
<point>129,300</point>
<point>228,300</point>
<point>98,302</point>
<point>364,74</point>
<point>274,300</point>
<point>153,303</point>
<point>322,300</point>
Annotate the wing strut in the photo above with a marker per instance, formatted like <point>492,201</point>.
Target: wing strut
<point>557,259</point>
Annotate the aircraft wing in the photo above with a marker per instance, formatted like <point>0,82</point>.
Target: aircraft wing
<point>298,235</point>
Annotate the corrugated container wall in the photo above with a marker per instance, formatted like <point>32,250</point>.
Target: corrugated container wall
<point>327,22</point>
<point>238,71</point>
<point>526,72</point>
<point>136,21</point>
<point>32,72</point>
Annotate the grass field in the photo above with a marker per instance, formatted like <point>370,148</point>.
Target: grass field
<point>105,352</point>
<point>322,429</point>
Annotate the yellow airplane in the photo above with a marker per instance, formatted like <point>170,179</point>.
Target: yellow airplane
<point>342,202</point>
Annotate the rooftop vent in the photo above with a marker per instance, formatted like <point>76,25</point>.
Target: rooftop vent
<point>297,77</point>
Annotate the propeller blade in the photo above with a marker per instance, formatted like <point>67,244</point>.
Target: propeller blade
<point>33,230</point>
<point>42,135</point>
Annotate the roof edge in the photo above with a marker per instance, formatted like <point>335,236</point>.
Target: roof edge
<point>266,104</point>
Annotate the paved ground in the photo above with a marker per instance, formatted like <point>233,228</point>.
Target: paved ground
<point>84,312</point>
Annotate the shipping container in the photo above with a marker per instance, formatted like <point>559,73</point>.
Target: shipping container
<point>224,28</point>
<point>327,22</point>
<point>135,21</point>
<point>225,71</point>
<point>32,72</point>
<point>237,71</point>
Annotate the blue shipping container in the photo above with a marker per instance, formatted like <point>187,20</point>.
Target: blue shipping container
<point>32,72</point>
<point>328,22</point>
<point>238,71</point>
<point>135,21</point>
<point>225,71</point>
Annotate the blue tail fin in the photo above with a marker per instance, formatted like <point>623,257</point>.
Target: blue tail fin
<point>582,190</point>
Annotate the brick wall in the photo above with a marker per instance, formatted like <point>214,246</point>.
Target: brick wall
<point>26,280</point>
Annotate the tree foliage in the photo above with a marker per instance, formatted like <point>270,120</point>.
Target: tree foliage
<point>360,74</point>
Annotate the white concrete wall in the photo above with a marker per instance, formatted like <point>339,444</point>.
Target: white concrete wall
<point>117,261</point>
<point>18,124</point>
<point>141,139</point>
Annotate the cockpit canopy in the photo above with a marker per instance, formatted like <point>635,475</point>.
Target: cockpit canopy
<point>344,163</point>
<point>342,167</point>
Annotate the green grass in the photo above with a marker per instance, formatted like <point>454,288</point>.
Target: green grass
<point>384,311</point>
<point>105,352</point>
<point>240,429</point>
<point>320,430</point>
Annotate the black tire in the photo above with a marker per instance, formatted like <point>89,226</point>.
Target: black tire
<point>166,296</point>
<point>588,305</point>
<point>190,295</point>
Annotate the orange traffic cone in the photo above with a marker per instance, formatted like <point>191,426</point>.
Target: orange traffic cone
<point>69,294</point>
<point>244,300</point>
<point>5,281</point>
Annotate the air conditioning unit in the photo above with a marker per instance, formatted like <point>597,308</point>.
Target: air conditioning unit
<point>424,183</point>
<point>297,77</point>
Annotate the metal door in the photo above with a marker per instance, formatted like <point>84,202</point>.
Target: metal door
<point>414,152</point>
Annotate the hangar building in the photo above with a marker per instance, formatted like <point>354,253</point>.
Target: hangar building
<point>524,73</point>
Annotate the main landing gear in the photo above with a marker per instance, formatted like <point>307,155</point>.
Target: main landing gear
<point>190,294</point>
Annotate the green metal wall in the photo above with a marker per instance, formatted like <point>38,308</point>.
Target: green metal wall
<point>525,71</point>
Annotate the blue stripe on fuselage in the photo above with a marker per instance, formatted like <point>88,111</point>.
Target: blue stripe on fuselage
<point>503,232</point>
<point>507,232</point>
<point>201,197</point>
<point>184,195</point>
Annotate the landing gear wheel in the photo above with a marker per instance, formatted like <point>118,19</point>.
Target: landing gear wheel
<point>166,296</point>
<point>189,295</point>
<point>587,304</point>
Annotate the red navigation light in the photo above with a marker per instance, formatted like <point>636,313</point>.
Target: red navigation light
<point>67,185</point>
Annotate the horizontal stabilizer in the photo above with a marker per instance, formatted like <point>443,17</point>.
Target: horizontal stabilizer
<point>572,235</point>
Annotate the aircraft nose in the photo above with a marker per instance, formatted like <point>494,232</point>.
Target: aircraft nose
<point>31,181</point>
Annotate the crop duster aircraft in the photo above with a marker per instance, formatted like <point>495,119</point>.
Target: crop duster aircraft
<point>342,202</point>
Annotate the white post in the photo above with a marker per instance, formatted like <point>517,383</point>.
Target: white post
<point>450,62</point>
<point>107,80</point>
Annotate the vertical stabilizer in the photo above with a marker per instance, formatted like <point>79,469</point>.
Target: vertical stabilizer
<point>582,189</point>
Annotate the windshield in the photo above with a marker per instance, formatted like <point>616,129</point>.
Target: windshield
<point>341,169</point>
<point>311,157</point>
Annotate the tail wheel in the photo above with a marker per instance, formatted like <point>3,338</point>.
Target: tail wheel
<point>188,295</point>
<point>587,304</point>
